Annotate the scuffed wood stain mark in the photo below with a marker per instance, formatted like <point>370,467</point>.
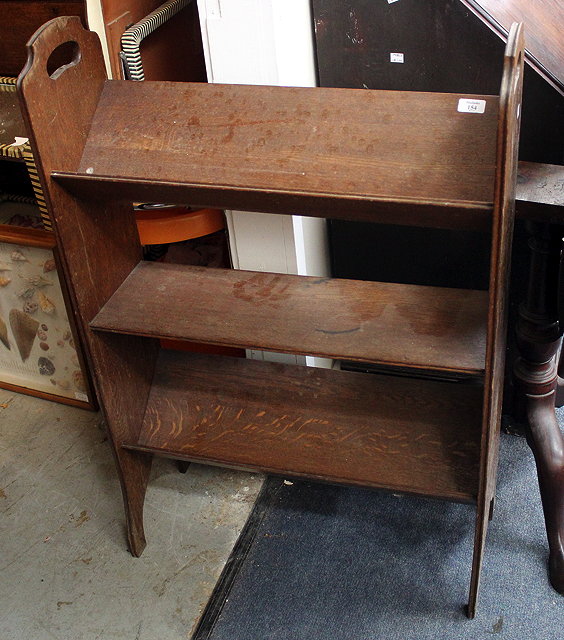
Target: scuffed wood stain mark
<point>329,332</point>
<point>262,288</point>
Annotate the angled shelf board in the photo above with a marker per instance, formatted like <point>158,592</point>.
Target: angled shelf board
<point>275,149</point>
<point>429,328</point>
<point>415,158</point>
<point>316,423</point>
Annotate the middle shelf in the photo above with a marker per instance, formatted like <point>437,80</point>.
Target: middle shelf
<point>427,328</point>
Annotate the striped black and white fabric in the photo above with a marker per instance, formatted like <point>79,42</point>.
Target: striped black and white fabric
<point>132,37</point>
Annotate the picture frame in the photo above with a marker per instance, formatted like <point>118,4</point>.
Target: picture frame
<point>40,353</point>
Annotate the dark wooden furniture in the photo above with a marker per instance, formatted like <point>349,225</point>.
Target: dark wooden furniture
<point>454,45</point>
<point>418,157</point>
<point>544,18</point>
<point>539,337</point>
<point>20,19</point>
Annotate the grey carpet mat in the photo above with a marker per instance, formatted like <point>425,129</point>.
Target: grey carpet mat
<point>335,563</point>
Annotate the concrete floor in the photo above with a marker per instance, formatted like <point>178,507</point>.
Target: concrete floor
<point>64,565</point>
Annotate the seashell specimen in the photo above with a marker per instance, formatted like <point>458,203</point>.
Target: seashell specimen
<point>4,266</point>
<point>66,335</point>
<point>30,306</point>
<point>24,328</point>
<point>4,281</point>
<point>53,381</point>
<point>49,265</point>
<point>60,343</point>
<point>26,293</point>
<point>41,334</point>
<point>46,367</point>
<point>78,381</point>
<point>45,303</point>
<point>44,346</point>
<point>4,333</point>
<point>44,327</point>
<point>18,256</point>
<point>39,281</point>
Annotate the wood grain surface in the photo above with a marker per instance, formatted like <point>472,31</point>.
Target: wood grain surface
<point>540,192</point>
<point>397,146</point>
<point>27,237</point>
<point>422,327</point>
<point>502,237</point>
<point>20,19</point>
<point>99,244</point>
<point>418,436</point>
<point>540,183</point>
<point>544,23</point>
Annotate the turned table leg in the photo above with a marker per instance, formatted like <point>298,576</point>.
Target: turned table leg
<point>536,371</point>
<point>560,383</point>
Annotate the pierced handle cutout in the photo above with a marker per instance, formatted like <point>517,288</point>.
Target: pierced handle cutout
<point>63,57</point>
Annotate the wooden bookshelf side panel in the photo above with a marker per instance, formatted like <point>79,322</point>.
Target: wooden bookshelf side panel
<point>502,236</point>
<point>98,242</point>
<point>410,435</point>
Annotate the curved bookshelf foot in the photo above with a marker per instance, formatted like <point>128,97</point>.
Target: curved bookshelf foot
<point>547,442</point>
<point>134,470</point>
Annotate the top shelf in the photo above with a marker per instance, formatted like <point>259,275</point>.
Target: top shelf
<point>283,150</point>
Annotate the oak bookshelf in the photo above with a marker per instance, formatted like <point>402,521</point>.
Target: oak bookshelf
<point>438,160</point>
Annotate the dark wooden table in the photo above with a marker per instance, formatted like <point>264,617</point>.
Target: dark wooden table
<point>540,201</point>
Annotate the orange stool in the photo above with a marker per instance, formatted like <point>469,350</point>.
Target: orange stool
<point>165,224</point>
<point>160,224</point>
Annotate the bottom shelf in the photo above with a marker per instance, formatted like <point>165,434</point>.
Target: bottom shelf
<point>416,436</point>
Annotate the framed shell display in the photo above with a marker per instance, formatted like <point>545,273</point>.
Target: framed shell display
<point>38,353</point>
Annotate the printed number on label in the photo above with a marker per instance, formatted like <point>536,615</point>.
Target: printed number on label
<point>466,105</point>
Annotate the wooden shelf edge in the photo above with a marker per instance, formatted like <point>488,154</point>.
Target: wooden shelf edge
<point>420,328</point>
<point>379,209</point>
<point>339,427</point>
<point>422,370</point>
<point>540,192</point>
<point>460,497</point>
